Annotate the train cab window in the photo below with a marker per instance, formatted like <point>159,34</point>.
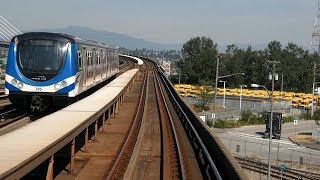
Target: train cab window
<point>79,59</point>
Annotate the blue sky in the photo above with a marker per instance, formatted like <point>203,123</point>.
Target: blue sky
<point>174,21</point>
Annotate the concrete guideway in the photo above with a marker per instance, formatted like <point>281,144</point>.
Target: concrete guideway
<point>25,148</point>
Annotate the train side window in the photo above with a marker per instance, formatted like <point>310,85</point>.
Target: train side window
<point>79,59</point>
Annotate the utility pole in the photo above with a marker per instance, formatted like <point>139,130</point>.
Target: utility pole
<point>282,82</point>
<point>271,117</point>
<point>216,83</point>
<point>240,105</point>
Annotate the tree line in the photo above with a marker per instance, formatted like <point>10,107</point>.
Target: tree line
<point>296,65</point>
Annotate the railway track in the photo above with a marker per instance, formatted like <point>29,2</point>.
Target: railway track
<point>172,164</point>
<point>288,174</point>
<point>174,156</point>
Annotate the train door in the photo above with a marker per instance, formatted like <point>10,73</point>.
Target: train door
<point>90,69</point>
<point>94,66</point>
<point>98,65</point>
<point>107,63</point>
<point>110,63</point>
<point>103,74</point>
<point>101,64</point>
<point>79,79</point>
<point>85,67</point>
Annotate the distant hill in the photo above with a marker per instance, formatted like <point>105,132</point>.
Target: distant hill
<point>122,40</point>
<point>112,38</point>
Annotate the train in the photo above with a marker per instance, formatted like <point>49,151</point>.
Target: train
<point>46,68</point>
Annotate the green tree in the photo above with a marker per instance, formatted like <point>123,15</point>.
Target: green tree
<point>206,98</point>
<point>198,60</point>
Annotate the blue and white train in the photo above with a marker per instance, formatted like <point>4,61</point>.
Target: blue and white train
<point>47,68</point>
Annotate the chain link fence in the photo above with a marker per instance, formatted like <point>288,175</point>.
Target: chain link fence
<point>293,156</point>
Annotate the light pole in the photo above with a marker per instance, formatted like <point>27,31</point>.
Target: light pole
<point>241,93</point>
<point>216,82</point>
<point>216,85</point>
<point>271,119</point>
<point>179,76</point>
<point>282,82</point>
<point>224,93</point>
<point>312,108</point>
<point>271,113</point>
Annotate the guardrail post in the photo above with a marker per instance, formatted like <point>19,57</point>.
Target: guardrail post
<point>117,107</point>
<point>245,148</point>
<point>122,98</point>
<point>109,114</point>
<point>95,130</point>
<point>72,157</point>
<point>114,110</point>
<point>278,154</point>
<point>50,169</point>
<point>86,140</point>
<point>103,121</point>
<point>310,162</point>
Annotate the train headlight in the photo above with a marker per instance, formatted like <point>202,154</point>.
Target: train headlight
<point>64,84</point>
<point>20,85</point>
<point>57,86</point>
<point>13,81</point>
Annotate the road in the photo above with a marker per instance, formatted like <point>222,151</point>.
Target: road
<point>248,141</point>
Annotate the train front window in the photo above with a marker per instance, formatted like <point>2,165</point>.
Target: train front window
<point>40,57</point>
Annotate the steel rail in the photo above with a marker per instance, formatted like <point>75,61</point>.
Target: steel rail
<point>198,139</point>
<point>182,170</point>
<point>138,113</point>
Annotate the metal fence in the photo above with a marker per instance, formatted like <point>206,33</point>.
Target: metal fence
<point>316,134</point>
<point>255,105</point>
<point>294,157</point>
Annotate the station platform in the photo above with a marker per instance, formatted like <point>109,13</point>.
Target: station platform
<point>139,61</point>
<point>22,145</point>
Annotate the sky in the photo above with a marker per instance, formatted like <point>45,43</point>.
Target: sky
<point>174,21</point>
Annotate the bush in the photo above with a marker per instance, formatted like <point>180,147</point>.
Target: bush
<point>248,118</point>
<point>209,123</point>
<point>200,108</point>
<point>226,124</point>
<point>288,119</point>
<point>306,116</point>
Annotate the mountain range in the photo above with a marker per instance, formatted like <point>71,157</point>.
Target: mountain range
<point>112,38</point>
<point>122,40</point>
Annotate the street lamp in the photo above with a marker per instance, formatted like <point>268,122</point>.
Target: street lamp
<point>313,86</point>
<point>271,119</point>
<point>241,93</point>
<point>224,93</point>
<point>179,76</point>
<point>281,83</point>
<point>216,85</point>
